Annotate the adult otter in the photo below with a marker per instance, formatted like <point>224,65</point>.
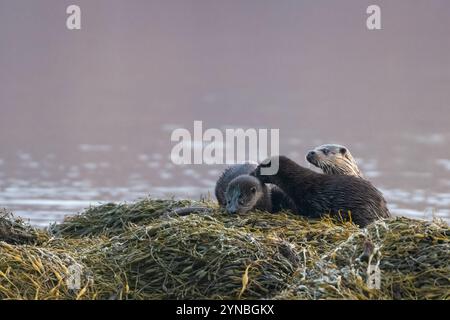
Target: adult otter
<point>316,194</point>
<point>239,192</point>
<point>334,159</point>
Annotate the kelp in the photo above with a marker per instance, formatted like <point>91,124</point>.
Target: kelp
<point>15,231</point>
<point>144,250</point>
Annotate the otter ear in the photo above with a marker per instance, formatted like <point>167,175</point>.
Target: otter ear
<point>343,150</point>
<point>253,189</point>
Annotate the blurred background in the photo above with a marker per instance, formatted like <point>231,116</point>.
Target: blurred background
<point>86,116</point>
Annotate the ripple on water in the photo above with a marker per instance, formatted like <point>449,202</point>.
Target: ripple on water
<point>428,139</point>
<point>445,163</point>
<point>94,147</point>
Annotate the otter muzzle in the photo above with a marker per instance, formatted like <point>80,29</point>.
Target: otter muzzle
<point>311,157</point>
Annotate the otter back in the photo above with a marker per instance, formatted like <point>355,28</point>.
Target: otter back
<point>316,194</point>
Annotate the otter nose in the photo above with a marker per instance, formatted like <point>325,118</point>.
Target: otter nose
<point>231,209</point>
<point>310,156</point>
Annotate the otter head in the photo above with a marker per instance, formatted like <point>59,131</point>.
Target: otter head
<point>333,159</point>
<point>243,193</point>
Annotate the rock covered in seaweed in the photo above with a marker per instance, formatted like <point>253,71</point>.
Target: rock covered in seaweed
<point>141,251</point>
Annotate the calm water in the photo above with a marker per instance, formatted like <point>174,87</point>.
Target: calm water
<point>86,116</point>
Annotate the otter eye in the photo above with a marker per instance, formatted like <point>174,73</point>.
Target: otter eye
<point>253,189</point>
<point>325,151</point>
<point>343,150</point>
<point>241,202</point>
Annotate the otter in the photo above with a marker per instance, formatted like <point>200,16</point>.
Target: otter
<point>334,159</point>
<point>316,194</point>
<point>230,173</point>
<point>245,193</point>
<point>239,192</point>
<point>252,191</point>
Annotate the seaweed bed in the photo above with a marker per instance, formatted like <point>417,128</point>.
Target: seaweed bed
<point>143,250</point>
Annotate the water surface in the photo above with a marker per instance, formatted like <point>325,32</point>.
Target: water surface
<point>86,116</point>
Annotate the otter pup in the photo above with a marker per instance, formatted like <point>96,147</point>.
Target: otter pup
<point>245,193</point>
<point>239,192</point>
<point>316,194</point>
<point>227,176</point>
<point>334,159</point>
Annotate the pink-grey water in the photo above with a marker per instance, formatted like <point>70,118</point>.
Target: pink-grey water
<point>86,116</point>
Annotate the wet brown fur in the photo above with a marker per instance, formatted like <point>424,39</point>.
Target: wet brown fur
<point>316,194</point>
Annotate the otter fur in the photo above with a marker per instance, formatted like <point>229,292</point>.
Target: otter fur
<point>334,159</point>
<point>245,193</point>
<point>230,173</point>
<point>316,194</point>
<point>239,192</point>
